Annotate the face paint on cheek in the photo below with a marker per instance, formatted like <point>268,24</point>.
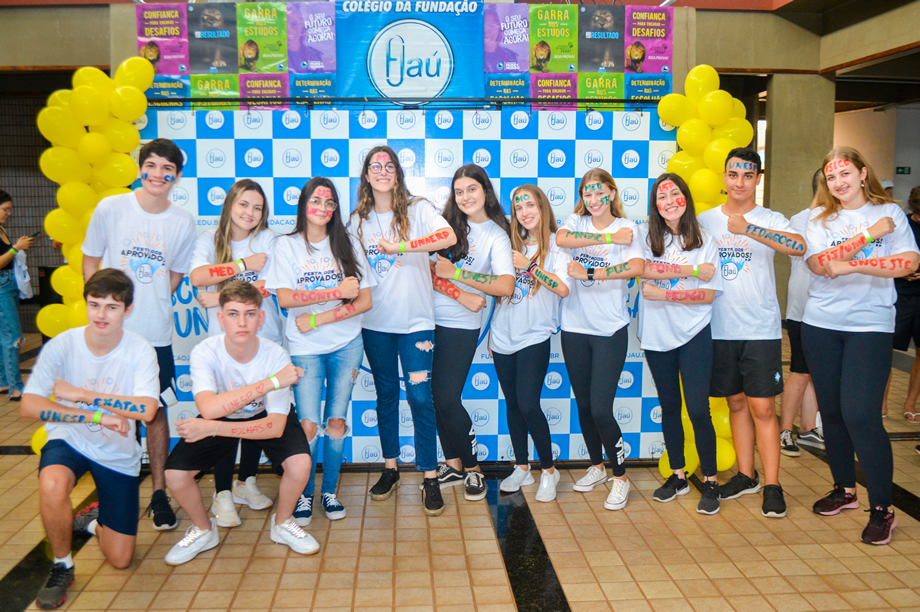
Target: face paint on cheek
<point>605,200</point>
<point>320,212</point>
<point>169,178</point>
<point>682,202</point>
<point>144,176</point>
<point>836,164</point>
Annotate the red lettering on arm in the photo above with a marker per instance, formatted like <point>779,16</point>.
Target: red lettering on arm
<point>222,271</point>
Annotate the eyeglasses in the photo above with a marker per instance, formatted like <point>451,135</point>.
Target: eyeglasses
<point>328,204</point>
<point>376,168</point>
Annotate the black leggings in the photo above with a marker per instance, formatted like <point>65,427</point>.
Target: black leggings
<point>850,371</point>
<point>691,363</point>
<point>521,376</point>
<point>250,453</point>
<point>454,350</point>
<point>594,364</point>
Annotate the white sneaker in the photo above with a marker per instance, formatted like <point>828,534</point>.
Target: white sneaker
<point>250,495</point>
<point>547,490</point>
<point>519,478</point>
<point>224,511</point>
<point>619,494</point>
<point>290,534</point>
<point>195,541</point>
<point>590,480</point>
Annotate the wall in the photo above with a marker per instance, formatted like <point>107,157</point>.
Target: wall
<point>891,30</point>
<point>746,40</point>
<point>55,36</point>
<point>907,150</point>
<point>872,134</point>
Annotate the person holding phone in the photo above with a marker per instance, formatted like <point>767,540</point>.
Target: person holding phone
<point>11,337</point>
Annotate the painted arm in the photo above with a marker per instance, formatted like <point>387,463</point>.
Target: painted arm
<point>550,281</point>
<point>348,290</point>
<point>346,311</point>
<point>846,251</point>
<point>691,297</point>
<point>209,275</point>
<point>471,301</point>
<point>214,406</point>
<point>572,240</point>
<point>128,406</point>
<point>193,430</point>
<point>893,266</point>
<point>441,239</point>
<point>41,408</point>
<point>661,271</point>
<point>633,267</point>
<point>490,284</point>
<point>90,266</point>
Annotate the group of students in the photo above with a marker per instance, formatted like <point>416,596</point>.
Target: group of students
<point>404,285</point>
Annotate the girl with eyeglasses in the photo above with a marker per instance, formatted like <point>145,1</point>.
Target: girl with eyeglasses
<point>238,249</point>
<point>320,275</point>
<point>397,232</point>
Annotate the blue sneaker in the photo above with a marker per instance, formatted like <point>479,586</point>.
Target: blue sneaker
<point>303,513</point>
<point>334,510</point>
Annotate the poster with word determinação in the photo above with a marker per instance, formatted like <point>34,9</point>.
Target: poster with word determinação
<point>312,86</point>
<point>508,86</point>
<point>598,86</point>
<point>261,37</point>
<point>162,37</point>
<point>506,34</point>
<point>265,85</point>
<point>212,39</point>
<point>647,86</point>
<point>600,38</point>
<point>648,44</point>
<point>216,86</point>
<point>562,85</point>
<point>165,87</point>
<point>553,38</point>
<point>311,37</point>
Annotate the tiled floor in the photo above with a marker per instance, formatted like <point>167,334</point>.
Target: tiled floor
<point>389,556</point>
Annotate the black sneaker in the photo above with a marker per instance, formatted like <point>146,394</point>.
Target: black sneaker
<point>917,448</point>
<point>812,438</point>
<point>164,518</point>
<point>835,501</point>
<point>388,483</point>
<point>449,477</point>
<point>709,502</point>
<point>474,486</point>
<point>672,487</point>
<point>881,524</point>
<point>740,484</point>
<point>84,517</point>
<point>54,593</point>
<point>787,444</point>
<point>432,502</point>
<point>774,504</point>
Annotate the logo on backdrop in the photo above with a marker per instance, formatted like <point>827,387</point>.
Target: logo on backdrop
<point>410,58</point>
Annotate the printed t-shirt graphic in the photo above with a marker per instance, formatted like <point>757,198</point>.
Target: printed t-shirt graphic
<point>130,369</point>
<point>748,308</point>
<point>147,248</point>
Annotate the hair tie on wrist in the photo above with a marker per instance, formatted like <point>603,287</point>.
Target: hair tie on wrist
<point>532,267</point>
<point>866,234</point>
<point>242,265</point>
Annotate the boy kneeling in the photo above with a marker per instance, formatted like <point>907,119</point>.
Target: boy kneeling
<point>242,386</point>
<point>84,368</point>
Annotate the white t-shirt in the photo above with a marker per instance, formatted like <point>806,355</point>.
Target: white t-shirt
<point>130,369</point>
<point>402,296</point>
<point>490,253</point>
<point>147,248</point>
<point>205,255</point>
<point>595,307</point>
<point>295,268</point>
<point>800,276</point>
<point>664,326</point>
<point>856,302</point>
<point>213,369</point>
<point>748,308</point>
<point>529,318</point>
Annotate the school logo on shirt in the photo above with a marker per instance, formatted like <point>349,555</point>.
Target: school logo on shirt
<point>144,256</point>
<point>851,231</point>
<point>320,273</point>
<point>594,256</point>
<point>381,262</point>
<point>734,256</point>
<point>523,286</point>
<point>254,407</point>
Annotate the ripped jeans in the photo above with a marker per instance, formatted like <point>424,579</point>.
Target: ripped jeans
<point>337,372</point>
<point>415,351</point>
<point>10,332</point>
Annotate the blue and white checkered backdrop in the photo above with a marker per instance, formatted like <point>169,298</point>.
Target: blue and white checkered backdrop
<point>282,149</point>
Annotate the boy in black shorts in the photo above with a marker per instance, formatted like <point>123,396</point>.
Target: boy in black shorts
<point>242,386</point>
<point>103,378</point>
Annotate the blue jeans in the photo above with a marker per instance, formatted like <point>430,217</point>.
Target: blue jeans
<point>10,332</point>
<point>415,352</point>
<point>337,372</point>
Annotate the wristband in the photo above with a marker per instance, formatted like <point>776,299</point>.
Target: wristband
<point>13,251</point>
<point>275,382</point>
<point>696,270</point>
<point>402,247</point>
<point>97,417</point>
<point>241,264</point>
<point>866,234</point>
<point>609,238</point>
<point>457,274</point>
<point>590,274</point>
<point>313,321</point>
<point>531,267</point>
<point>216,430</point>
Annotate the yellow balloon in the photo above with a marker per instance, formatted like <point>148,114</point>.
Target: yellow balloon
<point>39,438</point>
<point>705,185</point>
<point>716,153</point>
<point>684,164</point>
<point>94,148</point>
<point>721,422</point>
<point>123,136</point>
<point>721,199</point>
<point>60,98</point>
<point>85,219</point>
<point>76,314</point>
<point>135,72</point>
<point>700,81</point>
<point>128,103</point>
<point>63,165</point>
<point>63,227</point>
<point>113,191</point>
<point>69,300</point>
<point>715,108</point>
<point>58,125</point>
<point>52,319</point>
<point>118,170</point>
<point>701,207</point>
<point>738,109</point>
<point>98,187</point>
<point>87,76</point>
<point>718,404</point>
<point>693,135</point>
<point>674,109</point>
<point>76,198</point>
<point>89,105</point>
<point>739,130</point>
<point>691,457</point>
<point>66,282</point>
<point>75,259</point>
<point>725,454</point>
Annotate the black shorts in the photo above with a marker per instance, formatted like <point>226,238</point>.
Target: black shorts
<point>752,367</point>
<point>118,493</point>
<point>797,365</point>
<point>907,322</point>
<point>204,454</point>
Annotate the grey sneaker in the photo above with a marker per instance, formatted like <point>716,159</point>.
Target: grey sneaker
<point>54,593</point>
<point>84,517</point>
<point>709,502</point>
<point>811,438</point>
<point>787,444</point>
<point>672,487</point>
<point>740,484</point>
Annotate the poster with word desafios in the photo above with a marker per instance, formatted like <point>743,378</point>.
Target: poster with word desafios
<point>162,37</point>
<point>648,39</point>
